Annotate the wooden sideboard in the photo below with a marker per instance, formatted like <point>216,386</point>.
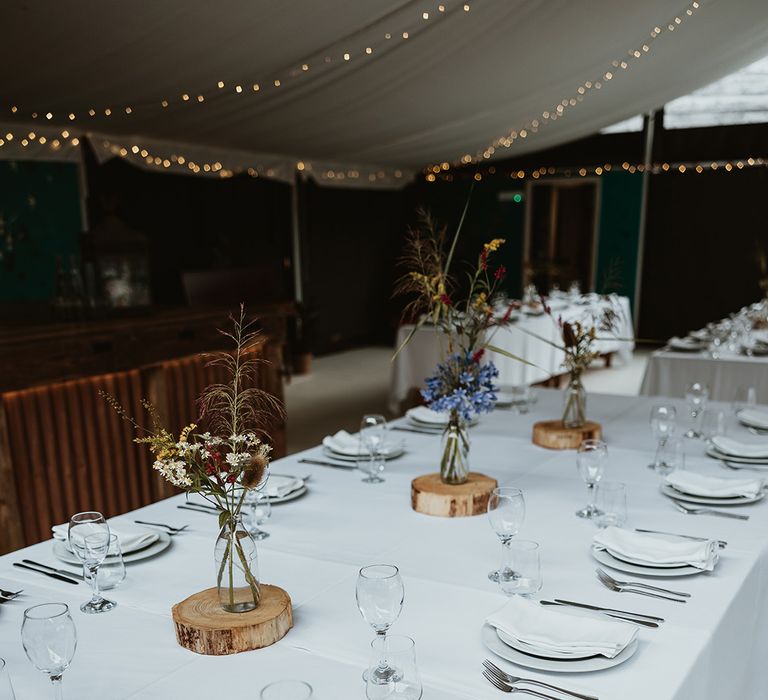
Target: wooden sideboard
<point>62,449</point>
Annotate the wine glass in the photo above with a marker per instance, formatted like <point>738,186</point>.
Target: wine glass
<point>49,638</point>
<point>506,513</point>
<point>89,542</point>
<point>590,461</point>
<point>696,395</point>
<point>258,511</point>
<point>401,652</point>
<point>373,437</point>
<point>380,594</point>
<point>663,419</point>
<point>6,689</point>
<point>287,690</point>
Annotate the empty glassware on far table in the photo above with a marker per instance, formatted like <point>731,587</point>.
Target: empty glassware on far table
<point>590,462</point>
<point>506,513</point>
<point>663,421</point>
<point>257,509</point>
<point>88,537</point>
<point>287,690</point>
<point>696,395</point>
<point>373,437</point>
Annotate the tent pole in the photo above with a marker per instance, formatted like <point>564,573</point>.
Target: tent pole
<point>647,161</point>
<point>298,290</point>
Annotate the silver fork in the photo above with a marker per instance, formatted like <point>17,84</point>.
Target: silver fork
<point>620,589</point>
<point>506,688</point>
<point>171,529</point>
<point>511,680</point>
<point>688,510</point>
<point>605,575</point>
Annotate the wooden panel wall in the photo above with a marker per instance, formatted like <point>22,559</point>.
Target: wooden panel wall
<point>64,450</point>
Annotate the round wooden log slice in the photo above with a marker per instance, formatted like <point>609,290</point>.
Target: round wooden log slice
<point>204,627</point>
<point>553,435</point>
<point>429,495</point>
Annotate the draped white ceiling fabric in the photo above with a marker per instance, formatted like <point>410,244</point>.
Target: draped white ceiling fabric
<point>459,81</point>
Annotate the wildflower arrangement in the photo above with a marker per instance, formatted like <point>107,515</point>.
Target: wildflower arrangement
<point>462,384</point>
<point>222,467</point>
<point>577,341</point>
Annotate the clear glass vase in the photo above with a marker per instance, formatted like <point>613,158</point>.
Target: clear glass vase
<point>237,569</point>
<point>454,463</point>
<point>574,403</point>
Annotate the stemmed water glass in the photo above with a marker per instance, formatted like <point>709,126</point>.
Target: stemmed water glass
<point>380,594</point>
<point>373,437</point>
<point>258,511</point>
<point>696,395</point>
<point>49,638</point>
<point>663,419</point>
<point>506,513</point>
<point>89,542</point>
<point>590,461</point>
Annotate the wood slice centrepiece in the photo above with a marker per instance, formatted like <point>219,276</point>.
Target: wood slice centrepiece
<point>429,495</point>
<point>204,627</point>
<point>553,435</point>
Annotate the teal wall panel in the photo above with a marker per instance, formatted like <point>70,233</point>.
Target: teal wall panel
<point>41,223</point>
<point>619,233</point>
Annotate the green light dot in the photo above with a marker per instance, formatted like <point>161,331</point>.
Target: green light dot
<point>518,198</point>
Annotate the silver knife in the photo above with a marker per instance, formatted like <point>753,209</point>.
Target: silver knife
<point>615,616</point>
<point>196,510</point>
<point>612,610</point>
<point>415,430</point>
<point>350,467</point>
<point>66,572</point>
<point>720,543</point>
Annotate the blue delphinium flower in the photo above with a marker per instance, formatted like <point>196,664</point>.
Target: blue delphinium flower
<point>462,384</point>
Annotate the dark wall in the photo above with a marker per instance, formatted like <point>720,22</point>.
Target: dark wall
<point>700,260</point>
<point>196,223</point>
<point>351,241</point>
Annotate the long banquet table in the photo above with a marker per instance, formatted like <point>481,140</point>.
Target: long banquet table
<point>669,373</point>
<point>712,648</point>
<point>522,338</point>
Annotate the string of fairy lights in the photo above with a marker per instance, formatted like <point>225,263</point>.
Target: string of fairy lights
<point>656,168</point>
<point>577,96</point>
<point>304,70</point>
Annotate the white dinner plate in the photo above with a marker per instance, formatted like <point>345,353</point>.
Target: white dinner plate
<point>658,572</point>
<point>293,495</point>
<point>393,454</point>
<point>668,490</point>
<point>595,663</point>
<point>518,645</point>
<point>162,543</point>
<point>756,462</point>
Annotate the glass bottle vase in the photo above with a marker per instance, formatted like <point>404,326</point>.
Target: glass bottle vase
<point>574,403</point>
<point>237,570</point>
<point>454,463</point>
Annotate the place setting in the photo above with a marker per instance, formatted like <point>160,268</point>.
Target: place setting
<point>738,454</point>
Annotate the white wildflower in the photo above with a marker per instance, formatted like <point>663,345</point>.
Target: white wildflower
<point>238,459</point>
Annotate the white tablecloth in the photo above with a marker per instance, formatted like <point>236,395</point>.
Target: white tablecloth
<point>668,373</point>
<point>419,358</point>
<point>712,648</point>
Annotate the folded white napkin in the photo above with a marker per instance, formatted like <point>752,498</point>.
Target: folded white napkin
<point>753,417</point>
<point>685,343</point>
<point>729,446</point>
<point>347,444</point>
<point>131,538</point>
<point>422,414</point>
<point>713,486</point>
<point>560,631</point>
<point>279,486</point>
<point>657,549</point>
